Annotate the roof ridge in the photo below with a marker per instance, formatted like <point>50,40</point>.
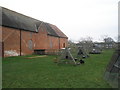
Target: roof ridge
<point>19,13</point>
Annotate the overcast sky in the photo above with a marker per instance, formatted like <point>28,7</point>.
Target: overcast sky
<point>76,18</point>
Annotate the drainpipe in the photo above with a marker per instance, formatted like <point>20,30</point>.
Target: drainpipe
<point>59,43</point>
<point>20,42</point>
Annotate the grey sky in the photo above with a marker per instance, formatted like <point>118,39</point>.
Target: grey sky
<point>76,18</point>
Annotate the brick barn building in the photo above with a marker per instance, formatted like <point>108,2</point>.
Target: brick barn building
<point>22,35</point>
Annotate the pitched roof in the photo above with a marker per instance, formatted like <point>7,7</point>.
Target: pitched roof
<point>19,21</point>
<point>50,31</point>
<point>16,20</point>
<point>58,31</point>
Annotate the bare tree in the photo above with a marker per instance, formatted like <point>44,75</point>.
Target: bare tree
<point>86,44</point>
<point>102,37</point>
<point>71,43</point>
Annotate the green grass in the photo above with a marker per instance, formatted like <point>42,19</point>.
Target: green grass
<point>42,72</point>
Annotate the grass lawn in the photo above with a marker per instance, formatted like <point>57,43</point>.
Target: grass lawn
<point>42,72</point>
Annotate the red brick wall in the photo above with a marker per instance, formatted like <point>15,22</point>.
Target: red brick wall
<point>44,41</point>
<point>53,42</point>
<point>11,39</point>
<point>63,42</point>
<point>40,40</point>
<point>26,38</point>
<point>57,43</point>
